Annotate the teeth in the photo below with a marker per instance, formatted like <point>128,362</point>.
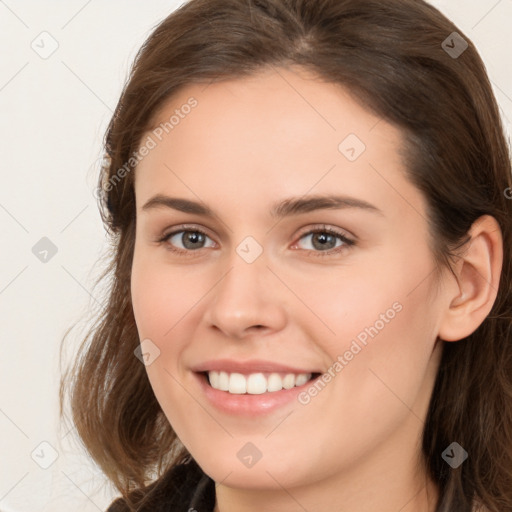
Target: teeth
<point>289,381</point>
<point>274,382</point>
<point>223,381</point>
<point>301,379</point>
<point>255,383</point>
<point>237,384</point>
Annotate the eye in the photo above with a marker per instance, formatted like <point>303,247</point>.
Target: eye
<point>325,241</point>
<point>186,240</point>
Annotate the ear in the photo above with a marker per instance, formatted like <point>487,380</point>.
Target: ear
<point>477,275</point>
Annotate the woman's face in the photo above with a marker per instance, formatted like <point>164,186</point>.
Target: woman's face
<point>282,280</point>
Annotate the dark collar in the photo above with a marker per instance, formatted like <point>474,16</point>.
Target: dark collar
<point>184,488</point>
<point>203,499</point>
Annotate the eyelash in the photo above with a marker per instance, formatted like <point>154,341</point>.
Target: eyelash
<point>347,242</point>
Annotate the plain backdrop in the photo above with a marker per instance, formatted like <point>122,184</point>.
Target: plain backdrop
<point>63,64</point>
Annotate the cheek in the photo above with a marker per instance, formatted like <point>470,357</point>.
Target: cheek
<point>161,297</point>
<point>365,300</point>
<point>163,301</point>
<point>381,322</point>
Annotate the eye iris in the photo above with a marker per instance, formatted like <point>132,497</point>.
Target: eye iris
<point>323,239</point>
<point>194,237</point>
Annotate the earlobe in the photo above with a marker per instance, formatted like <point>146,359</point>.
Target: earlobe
<point>478,274</point>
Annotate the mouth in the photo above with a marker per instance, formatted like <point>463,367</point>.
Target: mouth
<point>257,383</point>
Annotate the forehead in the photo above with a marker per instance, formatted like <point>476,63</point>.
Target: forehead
<point>293,103</point>
<point>277,133</point>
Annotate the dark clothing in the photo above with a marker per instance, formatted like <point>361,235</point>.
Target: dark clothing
<point>186,488</point>
<point>182,489</point>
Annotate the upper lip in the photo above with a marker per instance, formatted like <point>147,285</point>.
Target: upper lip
<point>250,366</point>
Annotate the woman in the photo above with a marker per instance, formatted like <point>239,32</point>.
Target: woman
<point>310,305</point>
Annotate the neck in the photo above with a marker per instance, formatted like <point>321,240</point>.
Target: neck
<point>388,479</point>
<point>420,496</point>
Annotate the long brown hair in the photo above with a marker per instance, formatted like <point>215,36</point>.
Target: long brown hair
<point>395,57</point>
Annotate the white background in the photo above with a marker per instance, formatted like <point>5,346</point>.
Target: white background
<point>54,113</point>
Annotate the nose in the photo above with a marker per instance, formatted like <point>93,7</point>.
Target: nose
<point>248,299</point>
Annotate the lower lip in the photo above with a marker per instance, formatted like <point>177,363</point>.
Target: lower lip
<point>246,404</point>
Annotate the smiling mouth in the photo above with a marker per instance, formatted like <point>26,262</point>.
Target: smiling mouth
<point>256,383</point>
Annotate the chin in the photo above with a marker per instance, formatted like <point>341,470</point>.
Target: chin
<point>271,474</point>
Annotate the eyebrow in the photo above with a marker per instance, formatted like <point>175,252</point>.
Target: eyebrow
<point>285,208</point>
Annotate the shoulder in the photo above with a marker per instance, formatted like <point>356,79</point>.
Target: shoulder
<point>118,505</point>
<point>176,488</point>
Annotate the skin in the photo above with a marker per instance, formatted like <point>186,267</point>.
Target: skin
<point>250,143</point>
